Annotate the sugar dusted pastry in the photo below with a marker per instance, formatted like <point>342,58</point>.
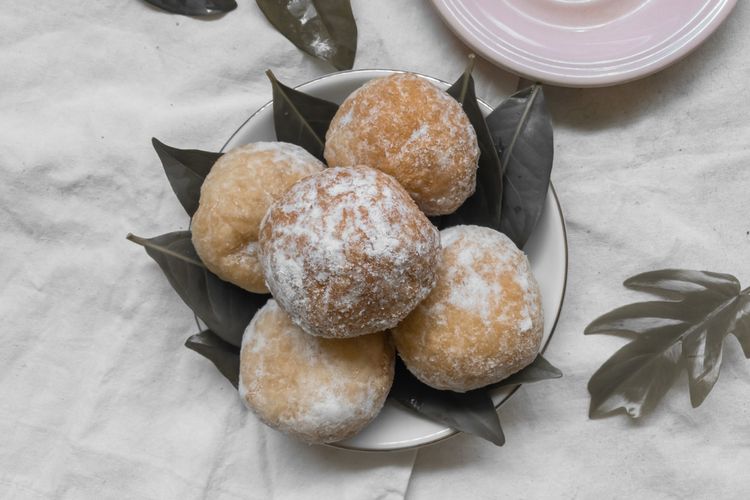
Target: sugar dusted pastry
<point>483,320</point>
<point>318,390</point>
<point>405,126</point>
<point>346,252</point>
<point>235,196</point>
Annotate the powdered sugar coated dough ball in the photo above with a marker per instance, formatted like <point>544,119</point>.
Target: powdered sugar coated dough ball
<point>483,320</point>
<point>235,196</point>
<point>405,126</point>
<point>346,252</point>
<point>318,390</point>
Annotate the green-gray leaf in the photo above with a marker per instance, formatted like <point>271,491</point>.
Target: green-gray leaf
<point>741,328</point>
<point>707,307</point>
<point>322,28</point>
<point>195,7</point>
<point>637,376</point>
<point>223,355</point>
<point>522,129</point>
<point>680,283</point>
<point>539,369</point>
<point>225,308</point>
<point>484,207</point>
<point>186,170</point>
<point>472,412</point>
<point>300,118</point>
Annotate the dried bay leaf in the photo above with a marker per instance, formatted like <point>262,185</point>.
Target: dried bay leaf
<point>186,170</point>
<point>472,412</point>
<point>225,356</point>
<point>325,29</point>
<point>484,207</point>
<point>195,7</point>
<point>690,330</point>
<point>521,129</point>
<point>300,118</point>
<point>225,308</point>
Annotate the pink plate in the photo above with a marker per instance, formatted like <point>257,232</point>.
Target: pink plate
<point>584,43</point>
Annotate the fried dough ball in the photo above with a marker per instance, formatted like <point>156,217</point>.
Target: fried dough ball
<point>235,196</point>
<point>346,252</point>
<point>318,390</point>
<point>483,320</point>
<point>405,126</point>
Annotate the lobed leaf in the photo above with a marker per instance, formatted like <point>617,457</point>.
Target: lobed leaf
<point>690,330</point>
<point>484,207</point>
<point>521,128</point>
<point>299,118</point>
<point>225,356</point>
<point>325,29</point>
<point>195,7</point>
<point>186,170</point>
<point>225,308</point>
<point>684,283</point>
<point>638,375</point>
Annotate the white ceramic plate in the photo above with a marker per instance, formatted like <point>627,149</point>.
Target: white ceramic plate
<point>583,43</point>
<point>397,428</point>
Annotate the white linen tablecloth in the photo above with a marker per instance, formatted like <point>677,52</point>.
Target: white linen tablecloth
<point>99,399</point>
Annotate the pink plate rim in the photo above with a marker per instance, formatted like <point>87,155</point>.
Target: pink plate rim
<point>535,67</point>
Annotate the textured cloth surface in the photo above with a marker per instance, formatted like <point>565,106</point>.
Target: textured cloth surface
<point>101,400</point>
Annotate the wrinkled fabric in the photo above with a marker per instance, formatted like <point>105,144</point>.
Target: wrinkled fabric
<point>101,400</point>
<point>99,397</point>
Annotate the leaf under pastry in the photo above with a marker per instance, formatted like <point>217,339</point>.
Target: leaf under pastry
<point>484,207</point>
<point>521,129</point>
<point>471,412</point>
<point>300,118</point>
<point>225,308</point>
<point>689,329</point>
<point>539,369</point>
<point>195,7</point>
<point>186,170</point>
<point>225,356</point>
<point>325,29</point>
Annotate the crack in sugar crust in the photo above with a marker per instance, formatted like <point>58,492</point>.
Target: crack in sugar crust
<point>483,320</point>
<point>319,390</point>
<point>235,196</point>
<point>405,126</point>
<point>346,252</point>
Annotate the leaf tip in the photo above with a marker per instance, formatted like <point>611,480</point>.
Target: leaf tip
<point>271,76</point>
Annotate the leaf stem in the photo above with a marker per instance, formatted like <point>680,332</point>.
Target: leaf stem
<point>147,244</point>
<point>276,85</point>
<point>521,124</point>
<point>467,75</point>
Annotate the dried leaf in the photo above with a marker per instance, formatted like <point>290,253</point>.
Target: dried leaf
<point>539,369</point>
<point>484,207</point>
<point>741,328</point>
<point>322,28</point>
<point>195,7</point>
<point>472,412</point>
<point>223,355</point>
<point>225,308</point>
<point>299,118</point>
<point>186,170</point>
<point>692,327</point>
<point>522,129</point>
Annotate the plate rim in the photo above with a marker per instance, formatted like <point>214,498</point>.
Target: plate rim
<point>453,432</point>
<point>601,79</point>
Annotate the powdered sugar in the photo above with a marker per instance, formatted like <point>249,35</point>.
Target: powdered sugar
<point>408,128</point>
<point>346,252</point>
<point>308,386</point>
